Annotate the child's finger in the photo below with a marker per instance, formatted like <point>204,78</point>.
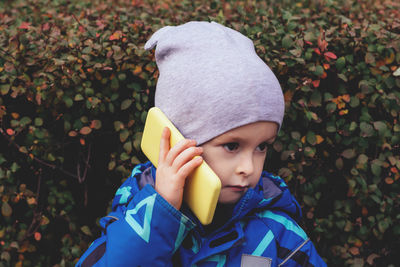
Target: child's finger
<point>177,149</point>
<point>164,144</point>
<point>187,168</point>
<point>185,156</point>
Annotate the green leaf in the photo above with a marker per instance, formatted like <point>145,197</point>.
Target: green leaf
<point>6,209</point>
<point>111,165</point>
<point>2,159</point>
<point>362,159</point>
<point>87,50</point>
<point>343,77</point>
<point>14,167</point>
<point>340,63</point>
<point>309,200</point>
<point>349,153</point>
<point>287,41</point>
<point>5,255</point>
<point>353,126</point>
<point>383,225</point>
<point>68,102</point>
<point>123,135</point>
<point>366,129</point>
<point>380,126</point>
<point>114,83</point>
<point>397,72</point>
<point>339,163</point>
<point>295,135</point>
<point>38,121</point>
<point>318,70</point>
<point>78,97</point>
<point>316,99</point>
<point>85,229</point>
<point>4,88</point>
<point>354,102</point>
<point>330,127</point>
<point>311,138</point>
<point>310,36</point>
<point>124,156</point>
<point>126,104</point>
<point>285,172</point>
<point>51,157</point>
<point>135,160</point>
<point>376,168</point>
<point>128,147</point>
<point>369,58</point>
<point>25,121</point>
<point>122,76</point>
<point>309,151</point>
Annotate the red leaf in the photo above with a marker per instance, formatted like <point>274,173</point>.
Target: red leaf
<point>323,45</point>
<point>38,236</point>
<point>38,98</point>
<point>308,42</point>
<point>100,24</point>
<point>10,131</point>
<point>45,27</point>
<point>24,25</point>
<point>72,133</point>
<point>9,67</point>
<point>116,35</point>
<point>316,50</point>
<point>315,83</point>
<point>371,258</point>
<point>330,55</point>
<point>354,250</point>
<point>85,130</point>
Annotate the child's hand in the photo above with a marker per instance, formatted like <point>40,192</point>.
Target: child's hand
<point>174,166</point>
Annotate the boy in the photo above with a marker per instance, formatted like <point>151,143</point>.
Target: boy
<point>227,102</point>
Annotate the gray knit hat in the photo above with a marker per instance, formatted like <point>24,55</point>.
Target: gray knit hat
<point>211,80</point>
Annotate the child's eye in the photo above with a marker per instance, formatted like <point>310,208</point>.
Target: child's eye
<point>262,147</point>
<point>231,146</point>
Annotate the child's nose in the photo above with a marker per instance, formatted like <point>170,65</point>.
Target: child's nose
<point>245,166</point>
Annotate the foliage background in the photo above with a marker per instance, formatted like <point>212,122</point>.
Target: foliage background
<point>75,84</point>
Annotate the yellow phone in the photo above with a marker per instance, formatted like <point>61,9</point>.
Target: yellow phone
<point>202,187</point>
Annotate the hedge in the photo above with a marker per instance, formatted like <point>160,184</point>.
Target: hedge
<point>75,84</point>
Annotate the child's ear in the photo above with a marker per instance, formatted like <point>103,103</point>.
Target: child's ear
<point>152,42</point>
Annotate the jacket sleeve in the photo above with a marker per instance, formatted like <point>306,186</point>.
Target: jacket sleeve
<point>143,229</point>
<point>293,246</point>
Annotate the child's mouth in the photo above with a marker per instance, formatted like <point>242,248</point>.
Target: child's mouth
<point>237,188</point>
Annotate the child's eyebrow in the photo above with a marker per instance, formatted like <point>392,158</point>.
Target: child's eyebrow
<point>234,138</point>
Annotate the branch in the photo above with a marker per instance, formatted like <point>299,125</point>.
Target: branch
<point>82,178</point>
<point>7,53</point>
<point>42,162</point>
<point>80,24</point>
<point>37,215</point>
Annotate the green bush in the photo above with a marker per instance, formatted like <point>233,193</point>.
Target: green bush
<point>75,84</point>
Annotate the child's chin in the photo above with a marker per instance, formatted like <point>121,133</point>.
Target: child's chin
<point>228,200</point>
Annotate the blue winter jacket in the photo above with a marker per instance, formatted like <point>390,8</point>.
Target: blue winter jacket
<point>143,229</point>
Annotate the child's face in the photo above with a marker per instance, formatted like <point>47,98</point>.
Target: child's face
<point>238,156</point>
